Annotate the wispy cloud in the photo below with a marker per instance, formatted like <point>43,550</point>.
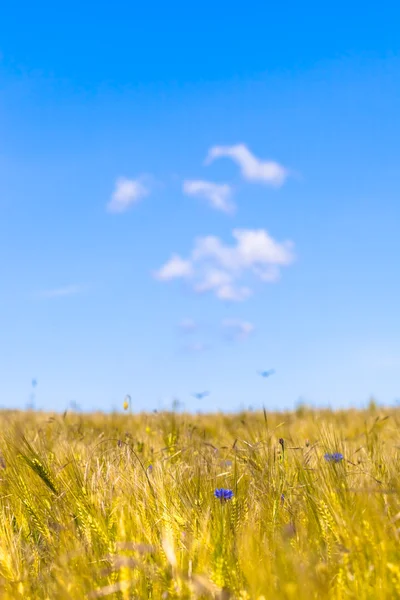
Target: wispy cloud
<point>69,290</point>
<point>221,283</point>
<point>126,193</point>
<point>218,195</point>
<point>218,268</point>
<point>175,268</point>
<point>252,168</point>
<point>234,329</point>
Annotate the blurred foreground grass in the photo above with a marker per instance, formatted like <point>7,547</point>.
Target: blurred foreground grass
<point>123,506</point>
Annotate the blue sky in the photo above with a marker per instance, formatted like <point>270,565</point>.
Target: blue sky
<point>189,196</point>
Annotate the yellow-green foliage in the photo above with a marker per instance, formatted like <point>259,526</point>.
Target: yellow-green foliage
<point>83,516</point>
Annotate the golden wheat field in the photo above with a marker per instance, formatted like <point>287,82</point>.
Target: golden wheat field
<point>123,506</point>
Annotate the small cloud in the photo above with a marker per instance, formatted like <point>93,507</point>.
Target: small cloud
<point>126,193</point>
<point>255,248</point>
<point>232,293</point>
<point>69,290</point>
<point>187,325</point>
<point>235,329</point>
<point>218,195</point>
<point>251,167</point>
<point>217,268</point>
<point>213,280</point>
<point>175,268</point>
<point>222,284</point>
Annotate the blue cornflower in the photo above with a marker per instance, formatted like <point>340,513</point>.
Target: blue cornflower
<point>223,494</point>
<point>335,457</point>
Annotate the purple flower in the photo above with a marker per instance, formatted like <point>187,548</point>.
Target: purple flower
<point>335,457</point>
<point>223,494</point>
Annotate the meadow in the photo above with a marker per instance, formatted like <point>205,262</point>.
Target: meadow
<point>123,506</point>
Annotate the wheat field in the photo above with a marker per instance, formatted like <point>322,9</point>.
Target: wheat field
<point>123,506</point>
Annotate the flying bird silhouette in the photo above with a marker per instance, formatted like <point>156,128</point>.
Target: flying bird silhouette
<point>266,373</point>
<point>200,395</point>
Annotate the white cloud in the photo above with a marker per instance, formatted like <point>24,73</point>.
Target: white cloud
<point>218,268</point>
<point>236,329</point>
<point>126,193</point>
<point>213,279</point>
<point>235,294</point>
<point>268,274</point>
<point>255,249</point>
<point>218,195</point>
<point>252,168</point>
<point>69,290</point>
<point>175,268</point>
<point>221,283</point>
